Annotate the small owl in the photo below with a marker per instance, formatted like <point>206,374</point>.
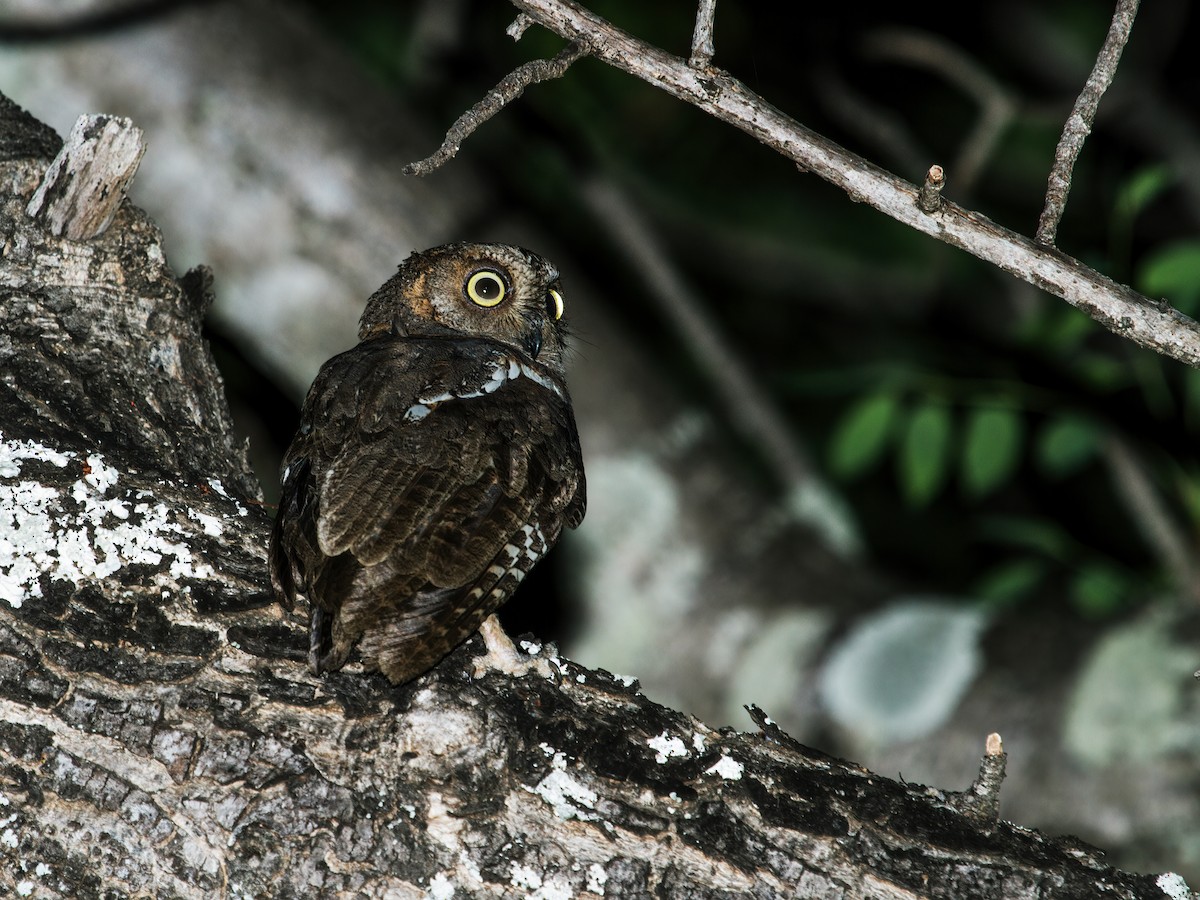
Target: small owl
<point>436,461</point>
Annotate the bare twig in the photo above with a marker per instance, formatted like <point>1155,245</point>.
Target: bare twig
<point>519,26</point>
<point>1079,124</point>
<point>735,385</point>
<point>930,198</point>
<point>745,402</point>
<point>996,105</point>
<point>702,37</point>
<point>1120,309</point>
<point>509,89</point>
<point>1164,536</point>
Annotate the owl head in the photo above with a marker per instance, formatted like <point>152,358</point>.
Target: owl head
<point>495,291</point>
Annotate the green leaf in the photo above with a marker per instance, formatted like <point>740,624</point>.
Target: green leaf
<point>1140,189</point>
<point>860,437</point>
<point>1042,535</point>
<point>1011,581</point>
<point>1099,590</point>
<point>1173,272</point>
<point>925,452</point>
<point>1066,444</point>
<point>991,449</point>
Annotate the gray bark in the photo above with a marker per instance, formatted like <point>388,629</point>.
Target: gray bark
<point>161,735</point>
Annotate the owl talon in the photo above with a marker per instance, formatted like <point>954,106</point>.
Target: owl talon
<point>503,656</point>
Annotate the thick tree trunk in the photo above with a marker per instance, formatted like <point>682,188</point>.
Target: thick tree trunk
<point>161,735</point>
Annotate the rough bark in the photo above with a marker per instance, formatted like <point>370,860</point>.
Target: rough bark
<point>161,735</point>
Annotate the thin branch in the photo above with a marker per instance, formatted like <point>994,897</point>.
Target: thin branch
<point>1152,324</point>
<point>702,37</point>
<point>509,89</point>
<point>745,403</point>
<point>1166,539</point>
<point>1079,124</point>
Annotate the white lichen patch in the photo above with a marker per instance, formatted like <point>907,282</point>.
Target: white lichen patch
<point>665,747</point>
<point>528,879</point>
<point>569,798</point>
<point>13,452</point>
<point>1174,886</point>
<point>727,767</point>
<point>104,531</point>
<point>596,877</point>
<point>440,887</point>
<point>524,877</point>
<point>210,524</point>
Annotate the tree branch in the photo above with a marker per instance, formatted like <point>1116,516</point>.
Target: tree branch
<point>1149,323</point>
<point>1079,123</point>
<point>746,405</point>
<point>509,89</point>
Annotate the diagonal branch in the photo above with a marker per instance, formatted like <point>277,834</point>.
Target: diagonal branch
<point>1152,324</point>
<point>509,89</point>
<point>1079,123</point>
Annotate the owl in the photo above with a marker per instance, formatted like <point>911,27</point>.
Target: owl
<point>435,462</point>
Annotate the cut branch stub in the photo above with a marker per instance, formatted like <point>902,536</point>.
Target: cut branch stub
<point>84,186</point>
<point>929,199</point>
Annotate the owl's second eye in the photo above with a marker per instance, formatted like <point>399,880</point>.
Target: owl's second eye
<point>554,304</point>
<point>486,288</point>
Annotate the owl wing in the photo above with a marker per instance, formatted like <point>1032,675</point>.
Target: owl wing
<point>428,483</point>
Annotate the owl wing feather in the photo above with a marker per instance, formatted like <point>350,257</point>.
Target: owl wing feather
<point>425,494</point>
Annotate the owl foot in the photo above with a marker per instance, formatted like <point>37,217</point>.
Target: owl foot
<point>502,656</point>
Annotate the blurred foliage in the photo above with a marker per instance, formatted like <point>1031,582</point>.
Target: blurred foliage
<point>966,415</point>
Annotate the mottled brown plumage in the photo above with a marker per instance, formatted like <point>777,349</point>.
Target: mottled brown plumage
<point>436,461</point>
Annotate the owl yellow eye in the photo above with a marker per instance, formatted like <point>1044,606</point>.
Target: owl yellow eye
<point>486,288</point>
<point>554,304</point>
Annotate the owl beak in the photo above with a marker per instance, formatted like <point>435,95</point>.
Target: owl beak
<point>533,338</point>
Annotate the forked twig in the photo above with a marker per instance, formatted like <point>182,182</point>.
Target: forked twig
<point>509,89</point>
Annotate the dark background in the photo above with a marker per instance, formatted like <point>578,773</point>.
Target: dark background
<point>853,321</point>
